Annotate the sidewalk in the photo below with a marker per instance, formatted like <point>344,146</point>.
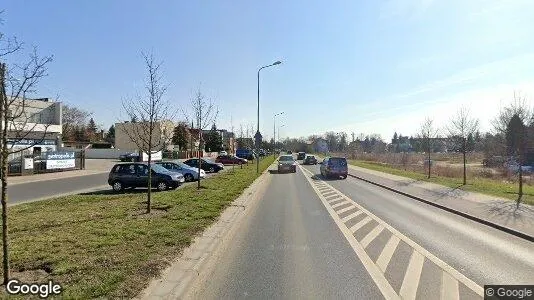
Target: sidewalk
<point>495,210</point>
<point>14,180</point>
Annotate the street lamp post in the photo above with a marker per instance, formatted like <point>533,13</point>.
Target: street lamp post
<point>257,136</point>
<point>280,126</point>
<point>274,132</point>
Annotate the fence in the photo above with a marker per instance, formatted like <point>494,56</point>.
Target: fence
<point>47,162</point>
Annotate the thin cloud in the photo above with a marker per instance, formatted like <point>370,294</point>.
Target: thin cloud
<point>404,8</point>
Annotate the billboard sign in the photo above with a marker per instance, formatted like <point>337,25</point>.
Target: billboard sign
<point>155,156</point>
<point>60,160</point>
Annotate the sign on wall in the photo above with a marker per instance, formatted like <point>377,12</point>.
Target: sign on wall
<point>60,160</point>
<point>28,163</point>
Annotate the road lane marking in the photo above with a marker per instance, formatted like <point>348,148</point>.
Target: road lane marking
<point>371,235</point>
<point>450,289</point>
<point>353,215</point>
<point>340,204</point>
<point>378,277</point>
<point>327,194</point>
<point>360,224</point>
<point>345,209</point>
<point>412,276</point>
<point>377,270</point>
<point>335,195</point>
<point>387,253</point>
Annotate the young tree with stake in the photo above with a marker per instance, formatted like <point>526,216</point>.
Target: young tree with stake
<point>461,127</point>
<point>150,111</point>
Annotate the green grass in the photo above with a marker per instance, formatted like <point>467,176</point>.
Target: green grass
<point>103,245</point>
<point>480,185</point>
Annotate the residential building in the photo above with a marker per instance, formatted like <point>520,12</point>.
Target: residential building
<point>36,125</point>
<point>128,135</point>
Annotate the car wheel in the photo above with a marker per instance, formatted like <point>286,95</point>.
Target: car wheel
<point>344,177</point>
<point>132,159</point>
<point>162,186</point>
<point>117,186</point>
<point>189,177</point>
<point>212,170</point>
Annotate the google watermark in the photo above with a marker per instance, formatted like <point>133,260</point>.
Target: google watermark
<point>509,292</point>
<point>43,290</point>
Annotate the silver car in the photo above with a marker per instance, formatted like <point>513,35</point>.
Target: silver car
<point>188,172</point>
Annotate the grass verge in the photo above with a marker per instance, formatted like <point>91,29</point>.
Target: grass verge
<point>103,245</point>
<point>481,185</point>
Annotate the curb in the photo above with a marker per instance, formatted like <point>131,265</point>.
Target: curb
<point>508,230</point>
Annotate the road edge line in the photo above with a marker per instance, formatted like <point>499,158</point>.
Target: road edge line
<point>508,230</point>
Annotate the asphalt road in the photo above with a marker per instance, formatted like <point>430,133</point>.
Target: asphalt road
<point>347,239</point>
<point>40,190</point>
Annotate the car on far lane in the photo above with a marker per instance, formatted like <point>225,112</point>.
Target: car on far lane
<point>189,173</point>
<point>286,163</point>
<point>133,175</point>
<point>334,167</point>
<point>310,160</point>
<point>301,155</point>
<point>205,164</point>
<point>230,160</point>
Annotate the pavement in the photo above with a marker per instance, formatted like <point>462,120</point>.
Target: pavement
<point>493,209</point>
<point>309,237</point>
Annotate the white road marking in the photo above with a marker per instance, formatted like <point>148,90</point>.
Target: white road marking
<point>371,235</point>
<point>387,253</point>
<point>353,215</point>
<point>450,289</point>
<point>412,276</point>
<point>360,224</point>
<point>385,256</point>
<point>377,276</point>
<point>339,204</point>
<point>336,196</point>
<point>345,209</point>
<point>328,193</point>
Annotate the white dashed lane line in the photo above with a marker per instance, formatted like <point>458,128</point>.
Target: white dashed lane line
<point>368,228</point>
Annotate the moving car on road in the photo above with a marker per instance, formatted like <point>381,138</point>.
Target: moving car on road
<point>334,167</point>
<point>188,172</point>
<point>310,160</point>
<point>230,160</point>
<point>134,175</point>
<point>206,165</point>
<point>301,155</point>
<point>286,163</point>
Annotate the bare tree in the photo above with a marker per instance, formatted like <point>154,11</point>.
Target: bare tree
<point>512,126</point>
<point>205,113</point>
<point>151,112</point>
<point>428,133</point>
<point>73,118</point>
<point>460,128</point>
<point>17,83</point>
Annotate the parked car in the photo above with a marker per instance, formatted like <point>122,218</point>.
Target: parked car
<point>188,172</point>
<point>223,153</point>
<point>289,152</point>
<point>206,165</point>
<point>301,155</point>
<point>286,163</point>
<point>310,160</point>
<point>513,166</point>
<point>230,160</point>
<point>134,175</point>
<point>334,167</point>
<point>132,156</point>
<point>245,153</point>
<point>263,152</point>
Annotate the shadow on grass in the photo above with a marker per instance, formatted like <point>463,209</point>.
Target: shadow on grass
<point>112,192</point>
<point>517,194</point>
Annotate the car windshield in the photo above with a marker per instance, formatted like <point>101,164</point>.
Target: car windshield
<point>286,158</point>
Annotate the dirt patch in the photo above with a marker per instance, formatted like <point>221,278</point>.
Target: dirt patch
<point>154,213</point>
<point>31,276</point>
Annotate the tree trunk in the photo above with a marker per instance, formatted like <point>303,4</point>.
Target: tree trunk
<point>465,161</point>
<point>520,184</point>
<point>199,147</point>
<point>429,166</point>
<point>149,194</point>
<point>3,175</point>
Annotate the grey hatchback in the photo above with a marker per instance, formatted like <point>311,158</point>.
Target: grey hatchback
<point>334,167</point>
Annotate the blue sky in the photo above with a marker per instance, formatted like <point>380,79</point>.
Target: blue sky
<point>354,66</point>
